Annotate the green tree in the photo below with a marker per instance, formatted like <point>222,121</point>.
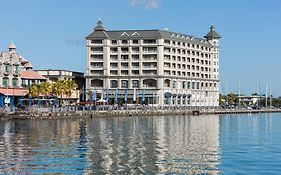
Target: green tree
<point>34,90</point>
<point>45,88</point>
<point>59,89</point>
<point>232,99</point>
<point>71,87</point>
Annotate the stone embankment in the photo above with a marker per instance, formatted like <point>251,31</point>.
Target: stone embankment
<point>126,113</point>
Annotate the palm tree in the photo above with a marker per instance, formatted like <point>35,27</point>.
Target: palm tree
<point>45,88</point>
<point>59,89</point>
<point>71,87</point>
<point>34,90</point>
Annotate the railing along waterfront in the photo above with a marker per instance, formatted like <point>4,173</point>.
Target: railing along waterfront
<point>118,111</point>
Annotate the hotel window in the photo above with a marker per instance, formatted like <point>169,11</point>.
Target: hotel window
<point>16,68</point>
<point>15,82</point>
<point>135,41</point>
<point>197,85</point>
<point>124,72</point>
<point>113,72</point>
<point>183,84</point>
<point>149,41</point>
<point>188,85</point>
<point>96,41</point>
<point>114,42</point>
<point>135,57</point>
<point>135,83</point>
<point>193,85</point>
<point>124,42</point>
<point>5,81</point>
<point>113,83</point>
<point>6,68</point>
<point>166,42</point>
<point>135,72</point>
<point>174,84</point>
<point>124,84</point>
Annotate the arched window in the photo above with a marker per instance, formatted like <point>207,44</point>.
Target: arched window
<point>96,83</point>
<point>5,81</point>
<point>113,84</point>
<point>124,84</point>
<point>15,82</point>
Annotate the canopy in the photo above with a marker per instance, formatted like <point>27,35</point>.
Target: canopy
<point>13,91</point>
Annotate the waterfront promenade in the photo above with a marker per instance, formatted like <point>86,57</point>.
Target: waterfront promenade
<point>106,111</point>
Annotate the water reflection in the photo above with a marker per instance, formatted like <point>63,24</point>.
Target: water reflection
<point>136,145</point>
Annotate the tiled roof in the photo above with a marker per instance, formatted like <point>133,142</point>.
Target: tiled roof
<point>100,33</point>
<point>30,74</point>
<point>13,91</point>
<point>28,65</point>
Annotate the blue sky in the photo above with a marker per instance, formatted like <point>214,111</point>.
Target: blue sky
<point>50,33</point>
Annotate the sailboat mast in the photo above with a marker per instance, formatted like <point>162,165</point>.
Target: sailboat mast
<point>266,94</point>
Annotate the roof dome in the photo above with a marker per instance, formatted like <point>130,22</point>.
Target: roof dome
<point>212,34</point>
<point>12,46</point>
<point>99,26</point>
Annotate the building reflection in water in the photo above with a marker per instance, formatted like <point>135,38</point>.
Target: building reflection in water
<point>135,145</point>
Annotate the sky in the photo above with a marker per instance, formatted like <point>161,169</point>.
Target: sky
<point>51,33</point>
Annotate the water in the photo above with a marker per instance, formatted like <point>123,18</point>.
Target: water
<point>233,144</point>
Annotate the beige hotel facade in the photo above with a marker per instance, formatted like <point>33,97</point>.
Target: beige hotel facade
<point>155,67</point>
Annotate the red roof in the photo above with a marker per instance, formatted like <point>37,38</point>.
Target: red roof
<point>30,74</point>
<point>13,91</point>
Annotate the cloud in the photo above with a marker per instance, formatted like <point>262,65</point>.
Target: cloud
<point>152,4</point>
<point>148,4</point>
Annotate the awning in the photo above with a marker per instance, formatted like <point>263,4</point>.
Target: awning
<point>168,94</point>
<point>13,92</point>
<point>184,95</point>
<point>179,95</point>
<point>188,95</point>
<point>174,95</point>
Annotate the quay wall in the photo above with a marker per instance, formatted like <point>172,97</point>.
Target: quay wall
<point>127,113</point>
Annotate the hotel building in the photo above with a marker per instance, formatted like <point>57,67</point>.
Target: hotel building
<point>156,67</point>
<point>16,74</point>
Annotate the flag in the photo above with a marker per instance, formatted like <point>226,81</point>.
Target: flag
<point>83,93</point>
<point>143,96</point>
<point>116,96</point>
<point>95,95</point>
<point>134,95</point>
<point>126,95</point>
<point>106,97</point>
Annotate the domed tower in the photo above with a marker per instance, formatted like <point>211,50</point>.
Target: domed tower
<point>12,48</point>
<point>213,38</point>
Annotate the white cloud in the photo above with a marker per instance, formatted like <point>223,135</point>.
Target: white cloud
<point>148,4</point>
<point>152,4</point>
<point>137,2</point>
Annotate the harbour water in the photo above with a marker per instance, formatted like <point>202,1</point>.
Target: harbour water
<point>211,144</point>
